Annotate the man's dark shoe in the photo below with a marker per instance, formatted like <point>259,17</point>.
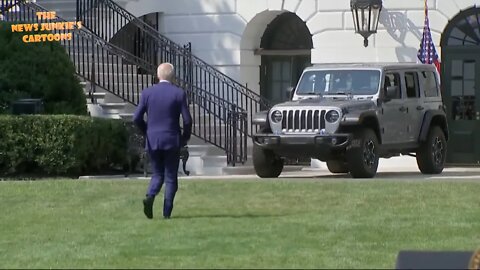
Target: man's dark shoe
<point>166,217</point>
<point>148,207</point>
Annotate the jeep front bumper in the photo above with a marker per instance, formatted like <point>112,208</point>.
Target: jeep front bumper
<point>319,146</point>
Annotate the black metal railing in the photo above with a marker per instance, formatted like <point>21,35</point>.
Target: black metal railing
<point>220,123</point>
<point>6,6</point>
<point>106,19</point>
<point>115,70</point>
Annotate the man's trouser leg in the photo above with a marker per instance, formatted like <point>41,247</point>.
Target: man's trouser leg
<point>156,182</point>
<point>171,160</point>
<point>157,161</point>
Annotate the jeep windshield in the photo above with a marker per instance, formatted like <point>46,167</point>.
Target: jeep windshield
<point>339,82</point>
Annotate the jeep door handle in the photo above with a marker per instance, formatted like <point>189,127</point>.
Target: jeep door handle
<point>403,109</point>
<point>420,108</point>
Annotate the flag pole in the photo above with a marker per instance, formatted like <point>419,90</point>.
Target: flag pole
<point>424,32</point>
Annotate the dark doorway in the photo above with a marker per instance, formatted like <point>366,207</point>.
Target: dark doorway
<point>133,39</point>
<point>145,47</point>
<point>280,74</point>
<point>285,49</point>
<point>461,86</point>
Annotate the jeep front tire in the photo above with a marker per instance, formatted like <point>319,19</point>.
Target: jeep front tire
<point>431,154</point>
<point>362,154</point>
<point>266,163</point>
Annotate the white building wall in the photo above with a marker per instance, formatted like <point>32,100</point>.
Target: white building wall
<point>225,33</point>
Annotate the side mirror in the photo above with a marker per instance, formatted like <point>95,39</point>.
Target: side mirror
<point>391,92</point>
<point>290,92</point>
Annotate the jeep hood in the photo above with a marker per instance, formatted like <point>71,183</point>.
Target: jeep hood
<point>346,103</point>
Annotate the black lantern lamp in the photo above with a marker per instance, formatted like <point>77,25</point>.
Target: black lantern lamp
<point>366,14</point>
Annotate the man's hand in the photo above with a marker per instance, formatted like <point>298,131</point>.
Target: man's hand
<point>183,142</point>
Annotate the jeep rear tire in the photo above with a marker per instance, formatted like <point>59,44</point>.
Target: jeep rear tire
<point>431,154</point>
<point>266,163</point>
<point>337,166</point>
<point>362,154</point>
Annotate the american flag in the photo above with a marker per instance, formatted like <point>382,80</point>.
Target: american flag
<point>427,53</point>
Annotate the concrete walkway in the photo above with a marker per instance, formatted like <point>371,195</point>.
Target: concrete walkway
<point>404,167</point>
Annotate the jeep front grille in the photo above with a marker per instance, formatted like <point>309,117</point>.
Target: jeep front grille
<point>303,120</point>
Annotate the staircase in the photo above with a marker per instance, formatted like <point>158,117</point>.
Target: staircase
<point>103,18</point>
<point>113,78</point>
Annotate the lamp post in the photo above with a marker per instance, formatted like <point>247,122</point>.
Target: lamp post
<point>366,14</point>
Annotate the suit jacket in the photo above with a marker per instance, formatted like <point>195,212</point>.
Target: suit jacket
<point>163,103</point>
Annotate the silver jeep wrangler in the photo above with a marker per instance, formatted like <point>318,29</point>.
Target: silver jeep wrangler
<point>350,115</point>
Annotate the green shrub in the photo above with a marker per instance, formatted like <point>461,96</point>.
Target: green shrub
<point>61,145</point>
<point>38,70</point>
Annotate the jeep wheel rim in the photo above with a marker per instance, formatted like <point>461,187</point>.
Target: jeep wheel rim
<point>369,156</point>
<point>437,151</point>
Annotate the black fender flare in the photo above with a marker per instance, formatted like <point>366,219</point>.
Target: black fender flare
<point>361,118</point>
<point>357,118</point>
<point>433,116</point>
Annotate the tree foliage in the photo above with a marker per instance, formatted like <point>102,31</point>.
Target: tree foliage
<point>38,70</point>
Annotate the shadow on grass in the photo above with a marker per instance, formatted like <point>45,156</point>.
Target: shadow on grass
<point>346,176</point>
<point>252,216</point>
<point>391,175</point>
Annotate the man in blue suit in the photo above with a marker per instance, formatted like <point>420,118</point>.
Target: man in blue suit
<point>163,103</point>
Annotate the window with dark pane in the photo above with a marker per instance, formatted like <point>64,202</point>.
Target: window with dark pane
<point>287,32</point>
<point>463,89</point>
<point>464,29</point>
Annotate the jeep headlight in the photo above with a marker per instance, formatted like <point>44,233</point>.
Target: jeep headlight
<point>276,116</point>
<point>332,116</point>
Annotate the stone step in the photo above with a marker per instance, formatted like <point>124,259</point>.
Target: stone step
<point>113,108</point>
<point>109,95</point>
<point>84,84</point>
<point>84,56</point>
<point>214,161</point>
<point>128,117</point>
<point>128,93</point>
<point>200,162</point>
<point>104,35</point>
<point>95,110</point>
<point>108,66</point>
<point>200,116</point>
<point>137,86</point>
<point>98,97</point>
<point>199,150</point>
<point>112,116</point>
<point>108,75</point>
<point>133,89</point>
<point>219,139</point>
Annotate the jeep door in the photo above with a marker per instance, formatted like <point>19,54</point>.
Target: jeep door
<point>393,112</point>
<point>414,104</point>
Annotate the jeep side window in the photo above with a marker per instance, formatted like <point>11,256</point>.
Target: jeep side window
<point>393,79</point>
<point>411,84</point>
<point>429,84</point>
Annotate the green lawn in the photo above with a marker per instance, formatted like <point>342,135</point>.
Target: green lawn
<point>234,223</point>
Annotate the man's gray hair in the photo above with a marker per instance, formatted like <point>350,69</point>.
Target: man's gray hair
<point>166,71</point>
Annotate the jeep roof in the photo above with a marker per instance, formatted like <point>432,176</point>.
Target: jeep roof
<point>376,65</point>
